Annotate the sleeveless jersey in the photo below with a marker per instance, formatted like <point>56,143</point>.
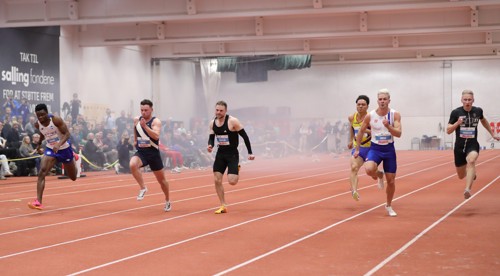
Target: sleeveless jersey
<point>52,134</point>
<point>380,134</point>
<point>227,140</point>
<point>144,141</point>
<point>356,125</point>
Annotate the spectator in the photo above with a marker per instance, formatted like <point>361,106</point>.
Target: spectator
<point>124,148</point>
<point>108,121</point>
<point>75,107</point>
<point>26,151</point>
<point>4,170</point>
<point>92,152</point>
<point>13,138</point>
<point>121,122</point>
<point>30,126</point>
<point>23,111</point>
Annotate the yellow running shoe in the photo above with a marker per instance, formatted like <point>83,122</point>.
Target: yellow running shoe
<point>355,195</point>
<point>221,210</point>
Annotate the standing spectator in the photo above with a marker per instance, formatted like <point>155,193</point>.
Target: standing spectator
<point>75,107</point>
<point>121,122</point>
<point>108,121</point>
<point>23,111</point>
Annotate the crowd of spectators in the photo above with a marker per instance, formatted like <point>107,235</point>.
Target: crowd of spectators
<point>107,143</point>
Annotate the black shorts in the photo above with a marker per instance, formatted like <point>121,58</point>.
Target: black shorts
<point>461,152</point>
<point>227,160</point>
<point>151,158</point>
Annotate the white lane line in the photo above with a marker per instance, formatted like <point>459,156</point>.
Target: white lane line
<point>260,218</point>
<point>333,225</point>
<point>416,238</point>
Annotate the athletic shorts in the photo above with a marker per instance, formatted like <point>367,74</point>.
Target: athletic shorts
<point>151,158</point>
<point>64,155</point>
<point>461,152</point>
<point>363,152</point>
<point>226,160</point>
<point>385,154</point>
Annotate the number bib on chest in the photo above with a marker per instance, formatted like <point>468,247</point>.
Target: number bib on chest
<point>53,141</point>
<point>467,132</point>
<point>143,142</point>
<point>223,140</point>
<point>383,139</point>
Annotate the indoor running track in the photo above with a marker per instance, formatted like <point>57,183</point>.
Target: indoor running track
<point>291,216</point>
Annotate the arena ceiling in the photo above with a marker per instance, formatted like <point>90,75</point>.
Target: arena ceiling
<point>329,30</point>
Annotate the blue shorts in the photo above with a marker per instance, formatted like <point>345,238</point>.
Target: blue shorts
<point>363,152</point>
<point>64,155</point>
<point>386,154</point>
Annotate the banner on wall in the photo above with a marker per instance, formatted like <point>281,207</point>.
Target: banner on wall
<point>29,67</point>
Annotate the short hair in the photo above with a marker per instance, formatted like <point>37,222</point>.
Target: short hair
<point>40,107</point>
<point>147,102</point>
<point>223,103</point>
<point>363,97</point>
<point>468,91</point>
<point>384,91</point>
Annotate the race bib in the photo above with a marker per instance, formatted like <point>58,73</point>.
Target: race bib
<point>223,140</point>
<point>143,142</point>
<point>53,141</point>
<point>467,132</point>
<point>383,139</point>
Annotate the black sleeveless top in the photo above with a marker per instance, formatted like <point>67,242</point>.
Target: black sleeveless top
<point>153,141</point>
<point>227,140</point>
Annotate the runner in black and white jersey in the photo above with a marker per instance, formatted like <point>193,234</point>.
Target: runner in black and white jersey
<point>464,121</point>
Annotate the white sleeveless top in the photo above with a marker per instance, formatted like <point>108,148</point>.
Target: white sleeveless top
<point>380,134</point>
<point>52,135</point>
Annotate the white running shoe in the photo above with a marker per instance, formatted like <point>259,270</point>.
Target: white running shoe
<point>142,193</point>
<point>176,170</point>
<point>390,211</point>
<point>168,206</point>
<point>381,182</point>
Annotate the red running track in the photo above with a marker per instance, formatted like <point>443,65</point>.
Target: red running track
<point>292,216</point>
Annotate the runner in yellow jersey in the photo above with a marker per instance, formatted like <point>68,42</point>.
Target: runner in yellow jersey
<point>355,120</point>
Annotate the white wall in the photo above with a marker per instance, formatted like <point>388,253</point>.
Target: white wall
<point>114,77</point>
<point>424,92</point>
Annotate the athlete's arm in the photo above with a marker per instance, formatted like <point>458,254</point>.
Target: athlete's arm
<point>63,129</point>
<point>211,137</point>
<point>395,129</point>
<point>454,122</point>
<point>235,125</point>
<point>351,132</point>
<point>486,125</point>
<point>136,120</point>
<point>155,129</point>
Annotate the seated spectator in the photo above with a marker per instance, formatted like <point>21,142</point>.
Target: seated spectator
<point>26,151</point>
<point>110,151</point>
<point>124,149</point>
<point>13,138</point>
<point>175,157</point>
<point>92,153</point>
<point>30,126</point>
<point>5,169</point>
